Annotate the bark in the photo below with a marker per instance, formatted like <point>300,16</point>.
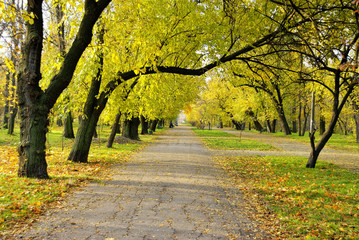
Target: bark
<point>294,122</point>
<point>6,107</point>
<point>35,104</point>
<point>294,127</point>
<point>258,126</point>
<point>154,125</point>
<point>144,125</point>
<point>283,120</point>
<point>305,122</point>
<point>336,110</point>
<point>59,122</point>
<point>269,126</point>
<point>130,128</point>
<point>274,124</point>
<point>355,107</point>
<point>300,120</point>
<point>68,129</point>
<point>321,125</point>
<point>278,101</point>
<point>238,125</point>
<point>12,118</point>
<point>114,130</point>
<point>356,118</point>
<point>33,111</point>
<point>92,111</point>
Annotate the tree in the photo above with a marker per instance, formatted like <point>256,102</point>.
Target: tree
<point>183,38</point>
<point>330,47</point>
<point>34,103</point>
<point>13,27</point>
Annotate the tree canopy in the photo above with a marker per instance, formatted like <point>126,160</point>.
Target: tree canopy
<point>254,61</point>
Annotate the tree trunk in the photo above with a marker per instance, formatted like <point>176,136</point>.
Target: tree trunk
<point>314,154</point>
<point>356,118</point>
<point>59,122</point>
<point>114,130</point>
<point>258,126</point>
<point>337,108</point>
<point>12,118</point>
<point>92,111</point>
<point>6,107</point>
<point>153,125</point>
<point>300,120</point>
<point>305,122</point>
<point>294,126</point>
<point>144,125</point>
<point>130,128</point>
<point>269,126</point>
<point>161,124</point>
<point>321,125</point>
<point>294,122</point>
<point>274,124</point>
<point>355,106</point>
<point>68,129</point>
<point>283,121</point>
<point>81,147</point>
<point>33,112</point>
<point>238,125</point>
<point>34,103</point>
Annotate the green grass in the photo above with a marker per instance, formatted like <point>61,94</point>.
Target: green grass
<point>217,139</point>
<point>320,203</point>
<point>211,133</point>
<point>337,141</point>
<point>236,143</point>
<point>21,198</point>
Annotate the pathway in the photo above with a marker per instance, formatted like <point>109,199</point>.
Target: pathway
<point>173,189</point>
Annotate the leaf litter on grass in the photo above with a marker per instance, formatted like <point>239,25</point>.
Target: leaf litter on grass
<point>320,203</point>
<point>22,199</point>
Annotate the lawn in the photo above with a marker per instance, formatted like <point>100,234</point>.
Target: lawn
<point>337,141</point>
<point>21,198</point>
<point>320,203</point>
<point>211,133</point>
<point>217,139</point>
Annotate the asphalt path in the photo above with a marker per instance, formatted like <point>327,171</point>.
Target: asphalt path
<point>173,189</point>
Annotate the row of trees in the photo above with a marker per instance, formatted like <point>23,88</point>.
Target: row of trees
<point>139,46</point>
<point>222,102</point>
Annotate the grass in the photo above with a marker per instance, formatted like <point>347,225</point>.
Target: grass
<point>337,141</point>
<point>211,133</point>
<point>21,198</point>
<point>320,203</point>
<point>217,139</point>
<point>237,144</point>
